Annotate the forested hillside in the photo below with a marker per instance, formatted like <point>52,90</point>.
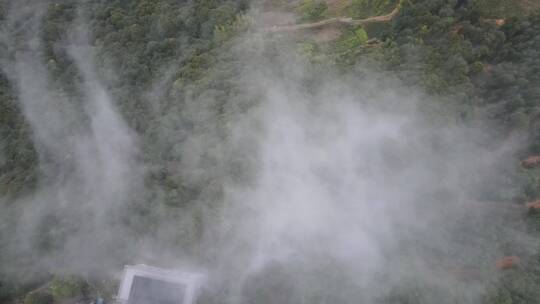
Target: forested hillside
<point>370,162</point>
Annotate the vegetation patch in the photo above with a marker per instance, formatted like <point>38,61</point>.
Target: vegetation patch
<point>360,9</point>
<point>352,38</point>
<point>312,10</point>
<point>68,287</point>
<point>39,297</point>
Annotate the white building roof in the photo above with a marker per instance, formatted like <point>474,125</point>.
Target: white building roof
<point>142,284</point>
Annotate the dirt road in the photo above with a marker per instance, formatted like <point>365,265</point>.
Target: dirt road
<point>335,21</point>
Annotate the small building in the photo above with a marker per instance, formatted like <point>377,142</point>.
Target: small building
<point>142,284</point>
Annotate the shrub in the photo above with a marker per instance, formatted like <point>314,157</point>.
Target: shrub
<point>38,297</point>
<point>312,9</point>
<point>67,287</point>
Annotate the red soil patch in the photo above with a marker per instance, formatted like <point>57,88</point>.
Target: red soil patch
<point>533,205</point>
<point>531,161</point>
<point>508,262</point>
<point>500,22</point>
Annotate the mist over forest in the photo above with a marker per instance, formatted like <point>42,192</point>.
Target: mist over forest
<point>307,151</point>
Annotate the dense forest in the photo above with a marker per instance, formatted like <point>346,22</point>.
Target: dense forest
<point>368,162</point>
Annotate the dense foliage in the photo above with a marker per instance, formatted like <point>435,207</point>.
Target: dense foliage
<point>454,50</point>
<point>491,70</point>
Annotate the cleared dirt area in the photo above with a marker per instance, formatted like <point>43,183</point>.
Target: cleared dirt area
<point>327,34</point>
<point>280,18</point>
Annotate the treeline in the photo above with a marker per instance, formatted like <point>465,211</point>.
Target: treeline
<point>489,66</point>
<point>138,43</point>
<point>154,57</point>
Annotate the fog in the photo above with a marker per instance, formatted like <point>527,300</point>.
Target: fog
<point>87,153</point>
<point>331,187</point>
<point>356,195</point>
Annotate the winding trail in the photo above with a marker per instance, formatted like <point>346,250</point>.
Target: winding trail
<point>336,20</point>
